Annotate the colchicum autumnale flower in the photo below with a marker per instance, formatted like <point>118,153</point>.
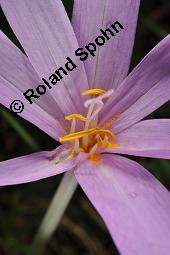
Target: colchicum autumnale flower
<point>96,113</point>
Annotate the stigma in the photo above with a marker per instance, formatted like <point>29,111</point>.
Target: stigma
<point>92,139</point>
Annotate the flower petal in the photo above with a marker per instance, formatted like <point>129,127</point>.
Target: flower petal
<point>111,64</point>
<point>16,76</point>
<point>33,167</point>
<point>149,138</point>
<point>143,91</point>
<point>133,204</point>
<point>47,37</point>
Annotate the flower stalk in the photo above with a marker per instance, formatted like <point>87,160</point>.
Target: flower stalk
<point>54,213</point>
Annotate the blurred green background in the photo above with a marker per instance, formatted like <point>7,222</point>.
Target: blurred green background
<point>22,207</point>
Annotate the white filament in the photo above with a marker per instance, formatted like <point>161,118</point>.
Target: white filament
<point>95,105</point>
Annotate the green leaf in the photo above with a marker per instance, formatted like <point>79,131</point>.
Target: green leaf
<point>22,132</point>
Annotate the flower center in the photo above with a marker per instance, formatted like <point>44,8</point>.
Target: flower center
<point>92,139</point>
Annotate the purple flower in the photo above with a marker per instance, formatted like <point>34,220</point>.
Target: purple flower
<point>132,203</point>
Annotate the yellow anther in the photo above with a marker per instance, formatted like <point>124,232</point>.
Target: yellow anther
<point>99,139</point>
<point>77,135</point>
<point>104,143</point>
<point>111,145</point>
<point>80,134</point>
<point>107,145</point>
<point>94,92</point>
<point>75,116</point>
<point>106,132</point>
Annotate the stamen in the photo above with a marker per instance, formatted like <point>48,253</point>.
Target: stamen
<point>75,116</point>
<point>105,143</point>
<point>111,145</point>
<point>81,134</point>
<point>93,149</point>
<point>99,105</point>
<point>91,106</point>
<point>76,146</point>
<point>91,138</point>
<point>94,92</point>
<point>106,132</point>
<point>107,94</point>
<point>77,135</point>
<point>108,145</point>
<point>73,126</point>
